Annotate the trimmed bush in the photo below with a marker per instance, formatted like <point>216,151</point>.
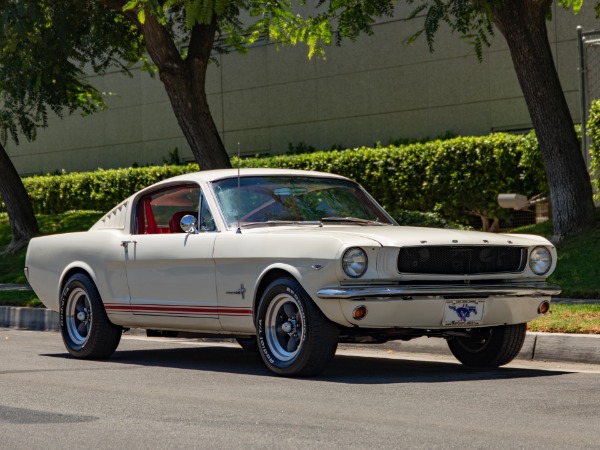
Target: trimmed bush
<point>99,191</point>
<point>423,219</point>
<point>450,177</point>
<point>593,131</point>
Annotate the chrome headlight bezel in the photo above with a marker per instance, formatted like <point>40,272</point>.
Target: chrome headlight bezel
<point>355,262</point>
<point>540,260</point>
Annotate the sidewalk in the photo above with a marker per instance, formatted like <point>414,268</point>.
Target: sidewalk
<point>581,348</point>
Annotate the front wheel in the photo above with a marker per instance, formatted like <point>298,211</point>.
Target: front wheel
<point>294,337</point>
<point>86,330</point>
<point>490,346</point>
<point>248,344</point>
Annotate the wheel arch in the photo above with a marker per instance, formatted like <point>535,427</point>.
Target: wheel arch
<point>267,277</point>
<point>75,268</point>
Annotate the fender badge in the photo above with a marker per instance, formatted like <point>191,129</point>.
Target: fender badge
<point>241,291</point>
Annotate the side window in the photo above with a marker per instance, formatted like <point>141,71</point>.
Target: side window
<point>160,212</point>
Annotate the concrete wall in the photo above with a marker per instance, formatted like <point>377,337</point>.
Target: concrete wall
<point>375,89</point>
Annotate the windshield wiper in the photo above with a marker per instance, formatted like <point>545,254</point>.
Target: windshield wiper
<point>352,220</point>
<point>272,223</point>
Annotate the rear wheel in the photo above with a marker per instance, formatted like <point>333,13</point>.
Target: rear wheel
<point>86,330</point>
<point>294,337</point>
<point>490,346</point>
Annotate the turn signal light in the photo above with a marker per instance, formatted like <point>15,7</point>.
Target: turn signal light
<point>360,312</point>
<point>544,307</point>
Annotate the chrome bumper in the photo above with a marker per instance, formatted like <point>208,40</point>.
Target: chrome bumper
<point>450,290</point>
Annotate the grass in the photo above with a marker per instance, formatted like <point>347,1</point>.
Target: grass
<point>583,319</point>
<point>20,298</point>
<point>578,271</point>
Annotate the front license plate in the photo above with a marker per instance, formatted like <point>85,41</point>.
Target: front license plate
<point>463,313</point>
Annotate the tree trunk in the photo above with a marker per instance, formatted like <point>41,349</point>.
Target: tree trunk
<point>18,205</point>
<point>523,24</point>
<point>184,81</point>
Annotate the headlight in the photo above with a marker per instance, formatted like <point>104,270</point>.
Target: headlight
<point>355,262</point>
<point>540,260</point>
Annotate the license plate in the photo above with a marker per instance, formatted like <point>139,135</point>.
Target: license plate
<point>463,313</point>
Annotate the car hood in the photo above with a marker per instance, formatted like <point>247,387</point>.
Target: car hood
<point>398,236</point>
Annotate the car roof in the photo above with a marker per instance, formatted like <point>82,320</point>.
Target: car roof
<point>214,175</point>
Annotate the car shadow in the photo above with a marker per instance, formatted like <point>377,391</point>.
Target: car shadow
<point>343,368</point>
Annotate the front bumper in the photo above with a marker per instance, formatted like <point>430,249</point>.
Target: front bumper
<point>533,289</point>
<point>423,306</point>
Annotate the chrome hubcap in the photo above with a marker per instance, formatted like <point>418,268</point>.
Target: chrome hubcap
<point>287,327</point>
<point>78,317</point>
<point>284,328</point>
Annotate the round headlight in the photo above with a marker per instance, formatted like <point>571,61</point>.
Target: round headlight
<point>355,262</point>
<point>540,260</point>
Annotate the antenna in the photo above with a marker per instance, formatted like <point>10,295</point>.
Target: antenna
<point>239,202</point>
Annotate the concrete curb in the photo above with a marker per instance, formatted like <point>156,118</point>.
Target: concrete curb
<point>39,319</point>
<point>580,348</point>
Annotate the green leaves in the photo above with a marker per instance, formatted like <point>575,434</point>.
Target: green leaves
<point>593,130</point>
<point>452,178</point>
<point>44,47</point>
<point>470,18</point>
<point>575,4</point>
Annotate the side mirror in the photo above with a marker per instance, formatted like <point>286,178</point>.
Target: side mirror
<point>188,224</point>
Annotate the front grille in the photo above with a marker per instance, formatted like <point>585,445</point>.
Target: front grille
<point>463,260</point>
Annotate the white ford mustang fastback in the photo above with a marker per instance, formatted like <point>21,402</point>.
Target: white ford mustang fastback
<point>289,263</point>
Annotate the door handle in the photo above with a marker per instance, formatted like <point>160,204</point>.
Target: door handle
<point>125,244</point>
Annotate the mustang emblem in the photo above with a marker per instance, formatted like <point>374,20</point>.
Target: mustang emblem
<point>241,291</point>
<point>463,312</point>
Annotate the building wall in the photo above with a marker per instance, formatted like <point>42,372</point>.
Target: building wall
<point>374,89</point>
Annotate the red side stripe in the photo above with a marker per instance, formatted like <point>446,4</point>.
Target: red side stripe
<point>177,310</point>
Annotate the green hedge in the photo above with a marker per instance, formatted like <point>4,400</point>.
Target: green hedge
<point>100,190</point>
<point>450,177</point>
<point>593,130</point>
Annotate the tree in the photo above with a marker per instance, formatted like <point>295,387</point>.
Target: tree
<point>44,46</point>
<point>522,22</point>
<point>181,35</point>
<point>523,25</point>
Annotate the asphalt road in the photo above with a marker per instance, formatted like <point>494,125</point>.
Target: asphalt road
<point>157,393</point>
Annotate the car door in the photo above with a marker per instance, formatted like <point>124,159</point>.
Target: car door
<point>171,273</point>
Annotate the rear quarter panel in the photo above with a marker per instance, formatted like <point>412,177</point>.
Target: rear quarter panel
<point>98,253</point>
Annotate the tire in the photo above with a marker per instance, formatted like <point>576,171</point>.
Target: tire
<point>294,337</point>
<point>248,344</point>
<point>489,347</point>
<point>85,328</point>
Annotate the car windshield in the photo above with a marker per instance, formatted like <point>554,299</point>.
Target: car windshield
<point>273,200</point>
